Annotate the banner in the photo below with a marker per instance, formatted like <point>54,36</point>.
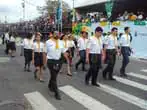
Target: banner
<point>141,23</point>
<point>59,12</point>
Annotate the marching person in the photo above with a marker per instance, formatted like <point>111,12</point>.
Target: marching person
<point>111,47</point>
<point>12,44</point>
<point>72,47</point>
<point>125,42</point>
<point>66,67</point>
<point>93,56</point>
<point>55,48</point>
<point>28,46</point>
<point>38,57</point>
<point>82,43</point>
<point>6,38</point>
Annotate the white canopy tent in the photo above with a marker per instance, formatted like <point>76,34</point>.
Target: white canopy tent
<point>88,3</point>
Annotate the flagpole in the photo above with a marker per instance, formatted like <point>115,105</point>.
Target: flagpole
<point>61,16</point>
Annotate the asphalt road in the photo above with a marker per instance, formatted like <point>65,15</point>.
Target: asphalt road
<point>17,86</point>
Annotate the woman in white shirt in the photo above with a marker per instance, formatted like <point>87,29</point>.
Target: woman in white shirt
<point>28,46</point>
<point>72,47</point>
<point>38,53</point>
<point>12,45</point>
<point>65,41</point>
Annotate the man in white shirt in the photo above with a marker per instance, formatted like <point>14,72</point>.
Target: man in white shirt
<point>54,50</point>
<point>82,43</point>
<point>93,56</point>
<point>125,42</point>
<point>111,47</point>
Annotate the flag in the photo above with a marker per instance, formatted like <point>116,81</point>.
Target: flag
<point>59,11</point>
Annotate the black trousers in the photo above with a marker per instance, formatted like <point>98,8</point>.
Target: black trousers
<point>54,66</point>
<point>125,53</point>
<point>111,59</point>
<point>28,57</point>
<point>95,64</point>
<point>7,47</point>
<point>82,59</point>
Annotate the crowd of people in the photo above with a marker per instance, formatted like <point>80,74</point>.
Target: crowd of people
<point>58,51</point>
<point>99,17</point>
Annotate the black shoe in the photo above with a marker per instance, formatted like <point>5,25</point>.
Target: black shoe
<point>111,78</point>
<point>35,74</point>
<point>104,75</point>
<point>123,75</point>
<point>50,88</point>
<point>97,85</point>
<point>57,96</point>
<point>29,70</point>
<point>84,70</point>
<point>86,82</point>
<point>41,80</point>
<point>25,69</point>
<point>76,67</point>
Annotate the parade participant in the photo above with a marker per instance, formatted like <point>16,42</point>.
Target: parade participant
<point>111,46</point>
<point>72,47</point>
<point>93,56</point>
<point>82,43</point>
<point>6,41</point>
<point>12,44</point>
<point>38,57</point>
<point>28,46</point>
<point>66,66</point>
<point>125,42</point>
<point>54,50</point>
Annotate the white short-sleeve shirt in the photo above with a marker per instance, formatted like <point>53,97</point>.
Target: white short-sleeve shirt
<point>52,52</point>
<point>111,42</point>
<point>95,45</point>
<point>12,39</point>
<point>125,40</point>
<point>71,43</point>
<point>82,43</point>
<point>6,36</point>
<point>27,43</point>
<point>36,47</point>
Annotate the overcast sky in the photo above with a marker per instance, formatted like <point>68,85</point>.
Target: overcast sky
<point>12,11</point>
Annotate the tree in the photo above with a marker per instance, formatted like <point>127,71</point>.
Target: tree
<point>52,5</point>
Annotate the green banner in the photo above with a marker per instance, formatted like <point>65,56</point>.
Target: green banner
<point>141,23</point>
<point>109,7</point>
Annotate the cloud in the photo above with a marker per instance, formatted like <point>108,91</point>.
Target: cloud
<point>4,9</point>
<point>14,12</point>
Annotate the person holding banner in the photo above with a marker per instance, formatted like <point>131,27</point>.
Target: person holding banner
<point>94,56</point>
<point>111,46</point>
<point>125,42</point>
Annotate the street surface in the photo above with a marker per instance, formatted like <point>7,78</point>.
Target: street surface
<point>17,86</point>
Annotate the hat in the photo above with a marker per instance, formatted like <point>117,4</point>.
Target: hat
<point>85,29</point>
<point>98,29</point>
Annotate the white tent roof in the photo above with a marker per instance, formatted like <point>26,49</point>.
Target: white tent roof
<point>88,2</point>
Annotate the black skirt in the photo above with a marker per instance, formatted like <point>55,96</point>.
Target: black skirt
<point>12,46</point>
<point>28,55</point>
<point>38,59</point>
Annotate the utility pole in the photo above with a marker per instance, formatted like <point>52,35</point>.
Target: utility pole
<point>23,6</point>
<point>73,11</point>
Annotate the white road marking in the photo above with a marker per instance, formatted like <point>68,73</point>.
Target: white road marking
<point>131,83</point>
<point>38,102</point>
<point>144,70</point>
<point>124,96</point>
<point>82,98</point>
<point>137,75</point>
